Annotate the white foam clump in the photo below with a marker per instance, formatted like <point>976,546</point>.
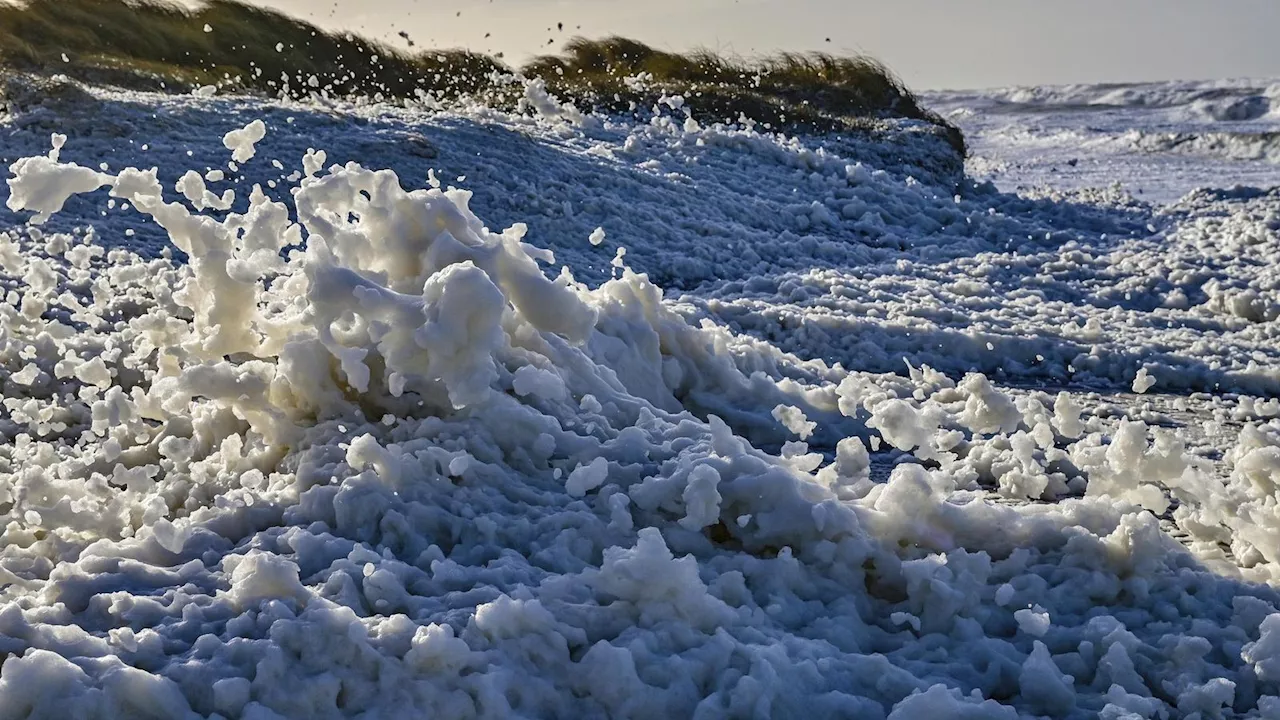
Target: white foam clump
<point>544,104</point>
<point>259,576</point>
<point>793,419</point>
<point>193,188</point>
<point>903,425</point>
<point>43,184</point>
<point>539,382</point>
<point>587,477</point>
<point>338,450</point>
<point>701,498</point>
<point>1066,416</point>
<point>242,142</point>
<point>1033,621</point>
<point>1143,381</point>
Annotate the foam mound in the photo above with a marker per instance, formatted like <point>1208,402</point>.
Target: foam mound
<point>360,456</point>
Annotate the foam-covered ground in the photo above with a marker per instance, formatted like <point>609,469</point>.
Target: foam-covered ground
<point>1156,140</point>
<point>468,413</point>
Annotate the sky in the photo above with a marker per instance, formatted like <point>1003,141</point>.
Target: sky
<point>931,44</point>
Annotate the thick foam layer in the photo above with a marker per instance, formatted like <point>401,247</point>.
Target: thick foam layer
<point>361,455</point>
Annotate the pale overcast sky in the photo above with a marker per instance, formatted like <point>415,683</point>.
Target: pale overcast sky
<point>930,43</point>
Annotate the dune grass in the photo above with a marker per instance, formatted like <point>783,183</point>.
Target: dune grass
<point>852,85</point>
<point>151,43</point>
<point>808,91</point>
<point>246,48</point>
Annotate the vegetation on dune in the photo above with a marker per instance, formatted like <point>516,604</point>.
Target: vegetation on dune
<point>812,90</point>
<point>152,43</point>
<point>245,47</point>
